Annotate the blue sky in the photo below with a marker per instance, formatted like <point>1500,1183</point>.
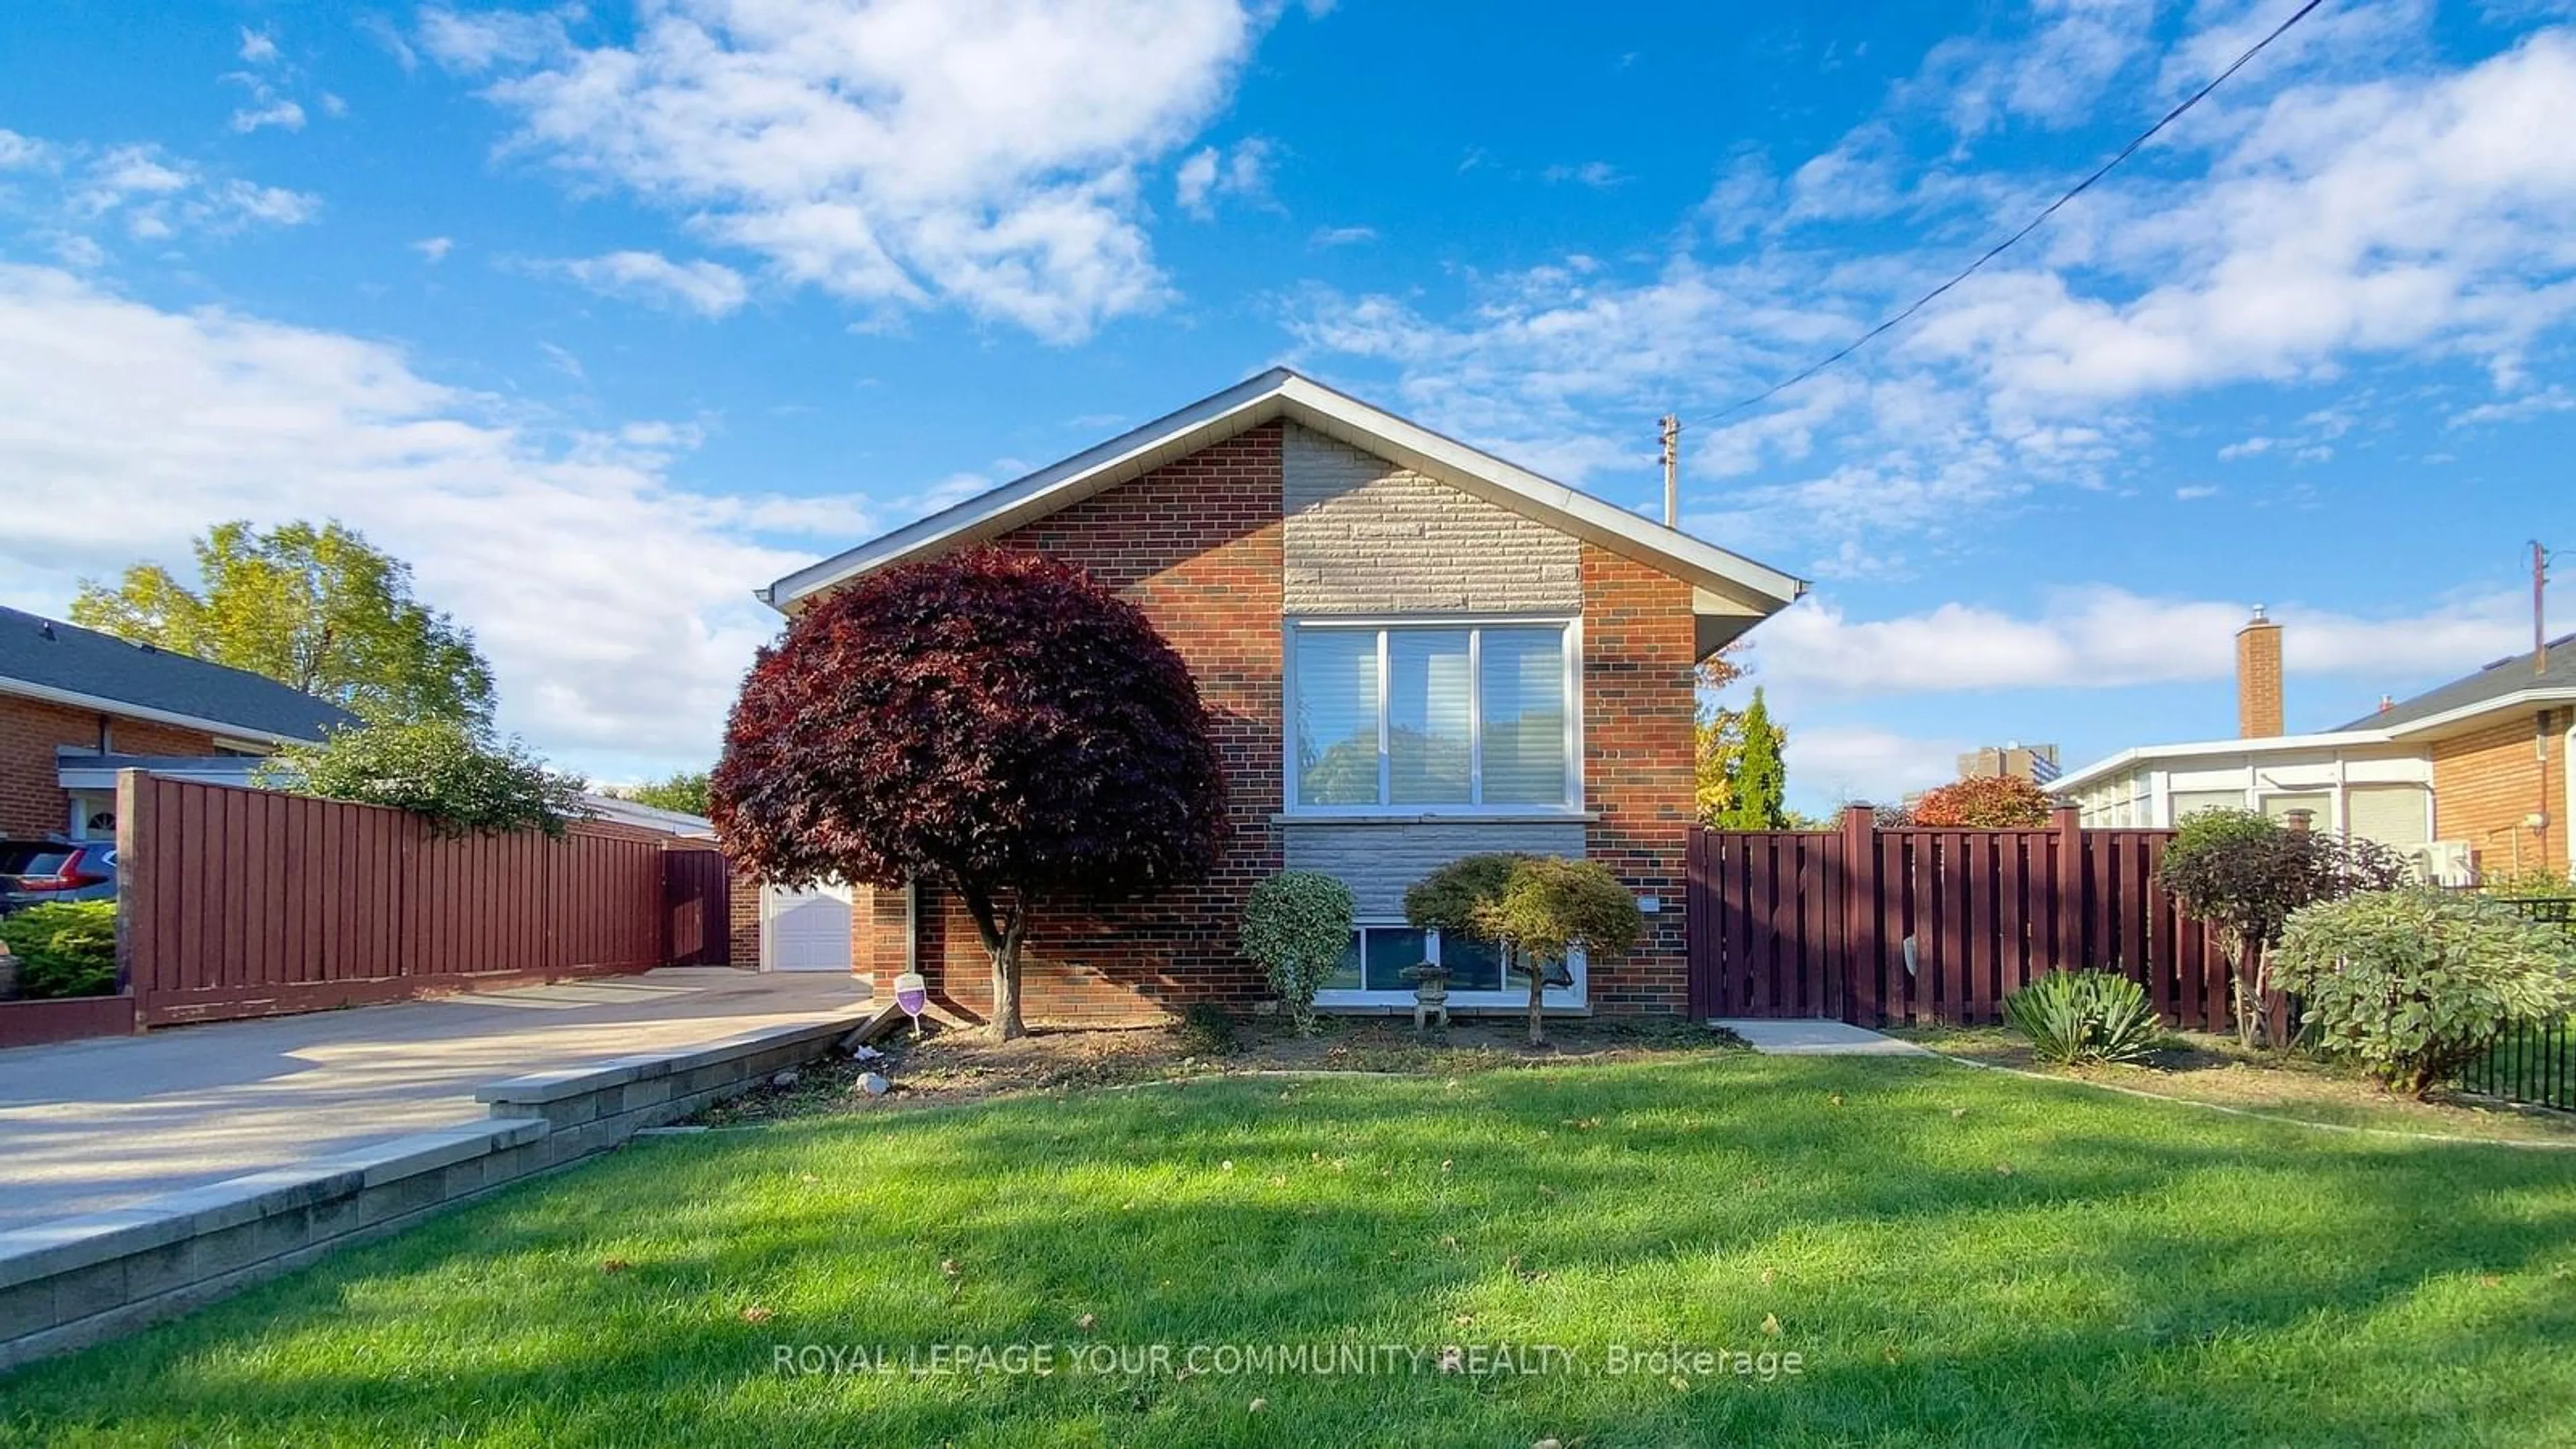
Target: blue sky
<point>603,317</point>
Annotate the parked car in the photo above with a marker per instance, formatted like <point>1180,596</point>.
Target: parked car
<point>33,872</point>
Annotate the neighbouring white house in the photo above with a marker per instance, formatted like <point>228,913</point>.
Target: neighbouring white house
<point>2467,778</point>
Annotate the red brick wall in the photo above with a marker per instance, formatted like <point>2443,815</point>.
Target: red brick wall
<point>1637,714</point>
<point>1195,544</point>
<point>31,802</point>
<point>742,907</point>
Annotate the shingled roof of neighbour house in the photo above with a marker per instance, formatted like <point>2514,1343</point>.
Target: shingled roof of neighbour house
<point>62,663</point>
<point>2495,684</point>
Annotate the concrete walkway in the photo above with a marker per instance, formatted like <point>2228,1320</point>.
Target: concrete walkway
<point>90,1125</point>
<point>1817,1039</point>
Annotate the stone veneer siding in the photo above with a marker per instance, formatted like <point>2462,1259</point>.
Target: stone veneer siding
<point>1637,718</point>
<point>1379,861</point>
<point>1195,544</point>
<point>1366,536</point>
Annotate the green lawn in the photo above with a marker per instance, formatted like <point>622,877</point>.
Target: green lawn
<point>1956,1256</point>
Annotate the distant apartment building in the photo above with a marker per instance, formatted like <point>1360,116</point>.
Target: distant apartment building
<point>2011,760</point>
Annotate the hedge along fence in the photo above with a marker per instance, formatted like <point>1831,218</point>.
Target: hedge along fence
<point>241,902</point>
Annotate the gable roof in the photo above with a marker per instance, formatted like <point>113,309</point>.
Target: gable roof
<point>2503,682</point>
<point>1726,585</point>
<point>62,663</point>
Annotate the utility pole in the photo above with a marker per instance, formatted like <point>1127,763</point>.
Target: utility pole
<point>2539,598</point>
<point>1672,473</point>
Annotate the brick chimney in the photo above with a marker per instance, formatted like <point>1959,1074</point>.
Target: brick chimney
<point>2258,678</point>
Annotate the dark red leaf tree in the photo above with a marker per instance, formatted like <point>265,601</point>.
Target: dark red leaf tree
<point>998,724</point>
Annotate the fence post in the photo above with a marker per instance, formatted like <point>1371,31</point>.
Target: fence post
<point>1862,1004</point>
<point>135,889</point>
<point>2073,880</point>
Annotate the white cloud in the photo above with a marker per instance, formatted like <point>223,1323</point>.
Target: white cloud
<point>1342,236</point>
<point>2101,637</point>
<point>276,111</point>
<point>149,195</point>
<point>2190,492</point>
<point>2342,207</point>
<point>434,249</point>
<point>17,151</point>
<point>1599,175</point>
<point>901,153</point>
<point>258,47</point>
<point>612,601</point>
<point>1857,762</point>
<point>709,289</point>
<point>1212,171</point>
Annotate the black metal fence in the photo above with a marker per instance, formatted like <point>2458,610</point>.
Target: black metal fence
<point>2534,1062</point>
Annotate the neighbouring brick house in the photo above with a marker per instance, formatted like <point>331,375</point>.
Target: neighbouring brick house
<point>2470,777</point>
<point>1413,651</point>
<point>72,698</point>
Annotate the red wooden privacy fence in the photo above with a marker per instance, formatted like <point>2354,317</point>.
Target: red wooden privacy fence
<point>1894,927</point>
<point>238,902</point>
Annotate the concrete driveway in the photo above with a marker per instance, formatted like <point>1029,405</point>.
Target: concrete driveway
<point>97,1124</point>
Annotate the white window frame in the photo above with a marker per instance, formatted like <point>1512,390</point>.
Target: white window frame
<point>1513,994</point>
<point>1571,807</point>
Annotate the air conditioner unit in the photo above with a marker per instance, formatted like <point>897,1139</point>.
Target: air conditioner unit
<point>2444,863</point>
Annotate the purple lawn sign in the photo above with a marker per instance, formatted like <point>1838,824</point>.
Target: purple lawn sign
<point>912,994</point>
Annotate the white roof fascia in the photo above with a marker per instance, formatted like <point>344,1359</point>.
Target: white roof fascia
<point>2203,749</point>
<point>2521,698</point>
<point>1754,589</point>
<point>104,705</point>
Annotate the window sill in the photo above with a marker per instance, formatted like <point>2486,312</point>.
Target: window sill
<point>1435,817</point>
<point>1551,1009</point>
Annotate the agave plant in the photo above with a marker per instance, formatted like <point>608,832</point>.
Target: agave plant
<point>2085,1016</point>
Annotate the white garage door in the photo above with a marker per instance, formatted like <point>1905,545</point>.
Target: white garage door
<point>805,930</point>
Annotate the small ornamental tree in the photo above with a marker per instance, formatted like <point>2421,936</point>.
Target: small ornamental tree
<point>1993,802</point>
<point>998,724</point>
<point>2246,874</point>
<point>2416,984</point>
<point>1297,924</point>
<point>1533,910</point>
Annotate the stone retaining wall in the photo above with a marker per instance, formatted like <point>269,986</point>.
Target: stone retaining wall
<point>78,1280</point>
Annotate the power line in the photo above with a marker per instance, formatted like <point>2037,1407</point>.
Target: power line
<point>1999,248</point>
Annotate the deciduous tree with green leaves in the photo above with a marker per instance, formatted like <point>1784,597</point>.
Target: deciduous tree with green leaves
<point>320,609</point>
<point>461,779</point>
<point>684,791</point>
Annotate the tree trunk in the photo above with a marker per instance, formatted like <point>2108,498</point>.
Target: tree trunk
<point>1538,992</point>
<point>1001,932</point>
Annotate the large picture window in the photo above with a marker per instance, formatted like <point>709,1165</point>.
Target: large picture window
<point>1460,717</point>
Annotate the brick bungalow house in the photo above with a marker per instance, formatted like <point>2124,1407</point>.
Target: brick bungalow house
<point>2469,778</point>
<point>72,699</point>
<point>1414,651</point>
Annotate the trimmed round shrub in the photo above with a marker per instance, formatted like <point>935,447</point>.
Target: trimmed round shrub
<point>2074,1017</point>
<point>1297,924</point>
<point>66,948</point>
<point>2416,984</point>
